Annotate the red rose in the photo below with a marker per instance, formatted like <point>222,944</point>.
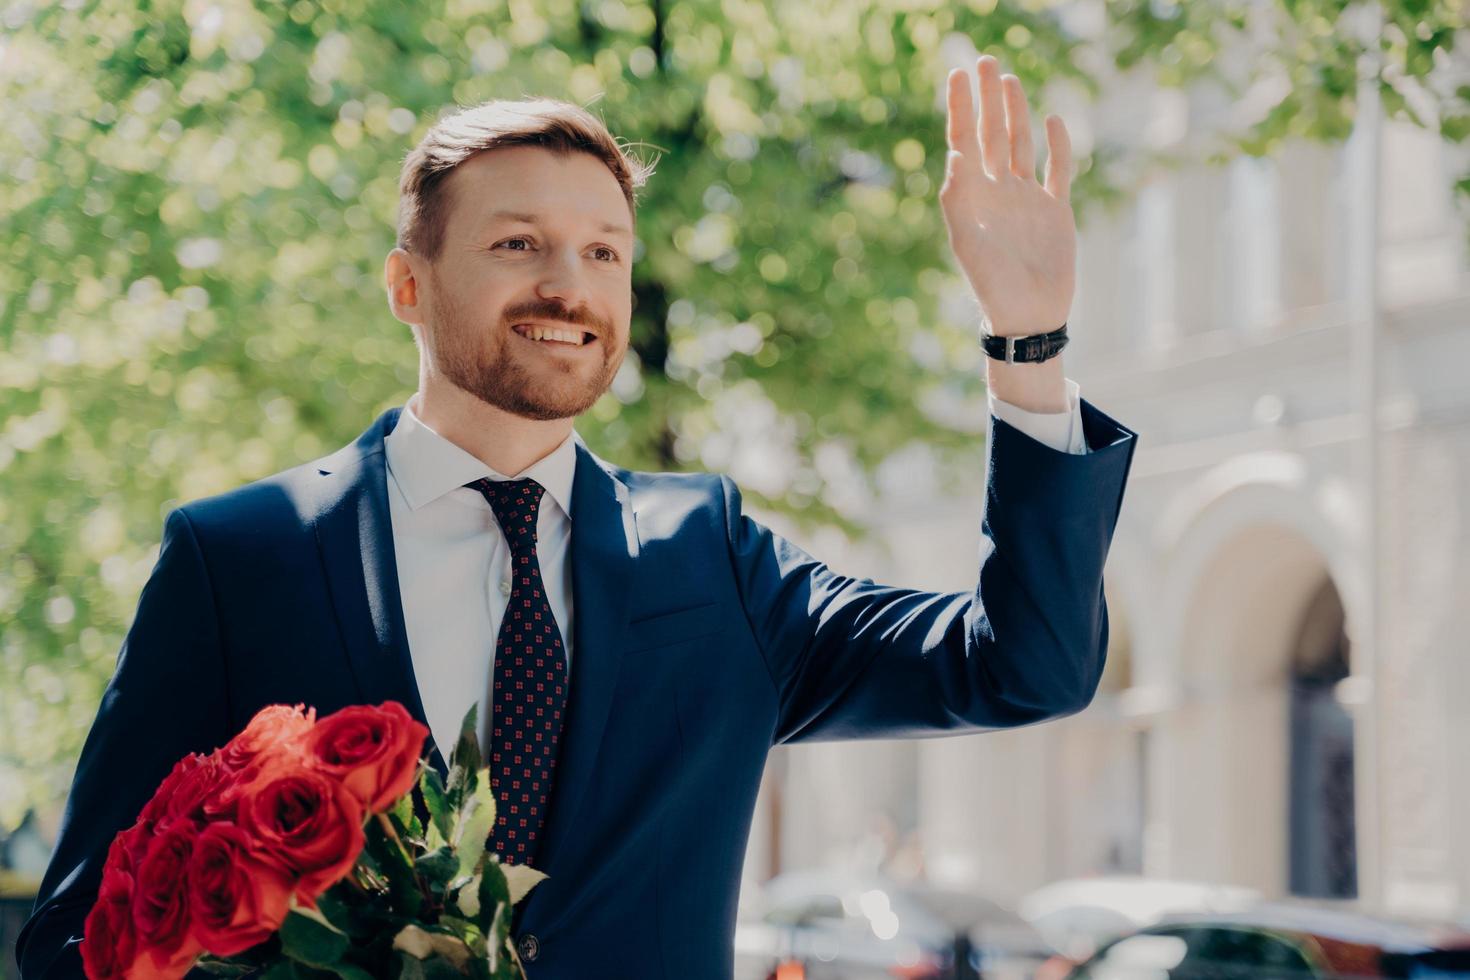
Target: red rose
<point>235,899</point>
<point>109,940</point>
<point>155,811</point>
<point>196,793</point>
<point>274,728</point>
<point>154,965</point>
<point>373,751</point>
<point>125,853</point>
<point>304,822</point>
<point>135,842</point>
<point>160,899</point>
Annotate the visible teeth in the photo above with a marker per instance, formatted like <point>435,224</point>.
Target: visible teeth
<point>551,333</point>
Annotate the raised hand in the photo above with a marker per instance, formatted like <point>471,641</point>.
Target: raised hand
<point>1015,238</point>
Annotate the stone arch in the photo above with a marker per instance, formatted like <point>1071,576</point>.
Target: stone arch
<point>1245,496</point>
<point>1248,549</point>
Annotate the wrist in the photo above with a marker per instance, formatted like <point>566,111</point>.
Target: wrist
<point>1040,388</point>
<point>1025,349</point>
<point>1028,326</point>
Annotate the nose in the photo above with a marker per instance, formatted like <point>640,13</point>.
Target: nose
<point>562,279</point>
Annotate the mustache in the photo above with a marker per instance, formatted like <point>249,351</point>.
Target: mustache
<point>553,311</point>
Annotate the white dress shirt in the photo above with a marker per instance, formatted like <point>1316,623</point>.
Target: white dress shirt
<point>454,563</point>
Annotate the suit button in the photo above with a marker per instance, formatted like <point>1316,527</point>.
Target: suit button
<point>530,947</point>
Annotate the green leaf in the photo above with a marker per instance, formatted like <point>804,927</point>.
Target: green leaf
<point>1394,103</point>
<point>438,868</point>
<point>342,915</point>
<point>402,809</point>
<point>467,896</point>
<point>520,879</point>
<point>311,940</point>
<point>314,915</point>
<point>405,820</point>
<point>403,890</point>
<point>441,814</point>
<point>461,785</point>
<point>497,940</point>
<point>503,962</point>
<point>430,945</point>
<point>465,929</point>
<point>1455,128</point>
<point>467,750</point>
<point>494,893</point>
<point>472,829</point>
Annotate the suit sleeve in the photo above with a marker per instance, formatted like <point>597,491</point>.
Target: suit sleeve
<point>167,698</point>
<point>853,659</point>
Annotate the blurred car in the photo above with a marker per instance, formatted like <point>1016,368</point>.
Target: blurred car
<point>1078,915</point>
<point>1282,941</point>
<point>866,927</point>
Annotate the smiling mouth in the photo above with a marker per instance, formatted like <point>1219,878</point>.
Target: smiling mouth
<point>555,336</point>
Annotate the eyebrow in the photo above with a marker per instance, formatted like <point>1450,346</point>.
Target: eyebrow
<point>534,219</point>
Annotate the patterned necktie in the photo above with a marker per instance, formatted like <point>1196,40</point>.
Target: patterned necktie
<point>529,681</point>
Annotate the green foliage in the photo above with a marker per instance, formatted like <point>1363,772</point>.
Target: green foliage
<point>311,941</point>
<point>437,801</point>
<point>201,195</point>
<point>437,868</point>
<point>1316,51</point>
<point>405,820</point>
<point>476,818</point>
<point>395,864</point>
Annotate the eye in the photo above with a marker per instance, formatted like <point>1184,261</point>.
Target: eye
<point>527,241</point>
<point>611,255</point>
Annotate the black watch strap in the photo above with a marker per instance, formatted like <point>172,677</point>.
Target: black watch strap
<point>1023,350</point>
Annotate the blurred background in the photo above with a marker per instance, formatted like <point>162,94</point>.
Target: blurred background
<point>195,202</point>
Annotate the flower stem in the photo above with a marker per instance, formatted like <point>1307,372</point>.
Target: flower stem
<point>392,835</point>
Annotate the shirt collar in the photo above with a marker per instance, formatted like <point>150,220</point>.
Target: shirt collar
<point>426,466</point>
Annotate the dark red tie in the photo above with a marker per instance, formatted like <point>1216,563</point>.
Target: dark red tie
<point>529,693</point>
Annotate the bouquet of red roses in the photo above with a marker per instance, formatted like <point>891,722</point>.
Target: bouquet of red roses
<point>295,852</point>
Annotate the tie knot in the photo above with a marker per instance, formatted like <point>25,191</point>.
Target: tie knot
<point>515,503</point>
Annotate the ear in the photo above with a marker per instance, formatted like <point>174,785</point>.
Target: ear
<point>402,273</point>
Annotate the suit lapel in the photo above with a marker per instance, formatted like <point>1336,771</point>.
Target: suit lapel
<point>604,551</point>
<point>355,534</point>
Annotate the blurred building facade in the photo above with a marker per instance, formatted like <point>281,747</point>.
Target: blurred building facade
<point>1282,707</point>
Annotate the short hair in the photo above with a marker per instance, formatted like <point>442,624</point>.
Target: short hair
<point>561,127</point>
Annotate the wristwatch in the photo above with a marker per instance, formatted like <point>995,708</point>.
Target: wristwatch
<point>1032,349</point>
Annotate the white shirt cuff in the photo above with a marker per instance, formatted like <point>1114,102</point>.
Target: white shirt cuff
<point>1061,431</point>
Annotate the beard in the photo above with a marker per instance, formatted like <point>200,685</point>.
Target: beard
<point>488,365</point>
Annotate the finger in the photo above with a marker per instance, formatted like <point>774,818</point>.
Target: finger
<point>994,144</point>
<point>1058,159</point>
<point>1018,123</point>
<point>960,130</point>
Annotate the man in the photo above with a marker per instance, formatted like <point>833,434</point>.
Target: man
<point>669,640</point>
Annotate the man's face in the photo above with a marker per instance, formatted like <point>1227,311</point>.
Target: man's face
<point>534,241</point>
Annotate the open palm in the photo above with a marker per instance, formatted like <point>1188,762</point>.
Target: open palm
<point>1015,238</point>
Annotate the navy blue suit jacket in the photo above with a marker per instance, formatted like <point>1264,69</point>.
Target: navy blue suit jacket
<point>702,640</point>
